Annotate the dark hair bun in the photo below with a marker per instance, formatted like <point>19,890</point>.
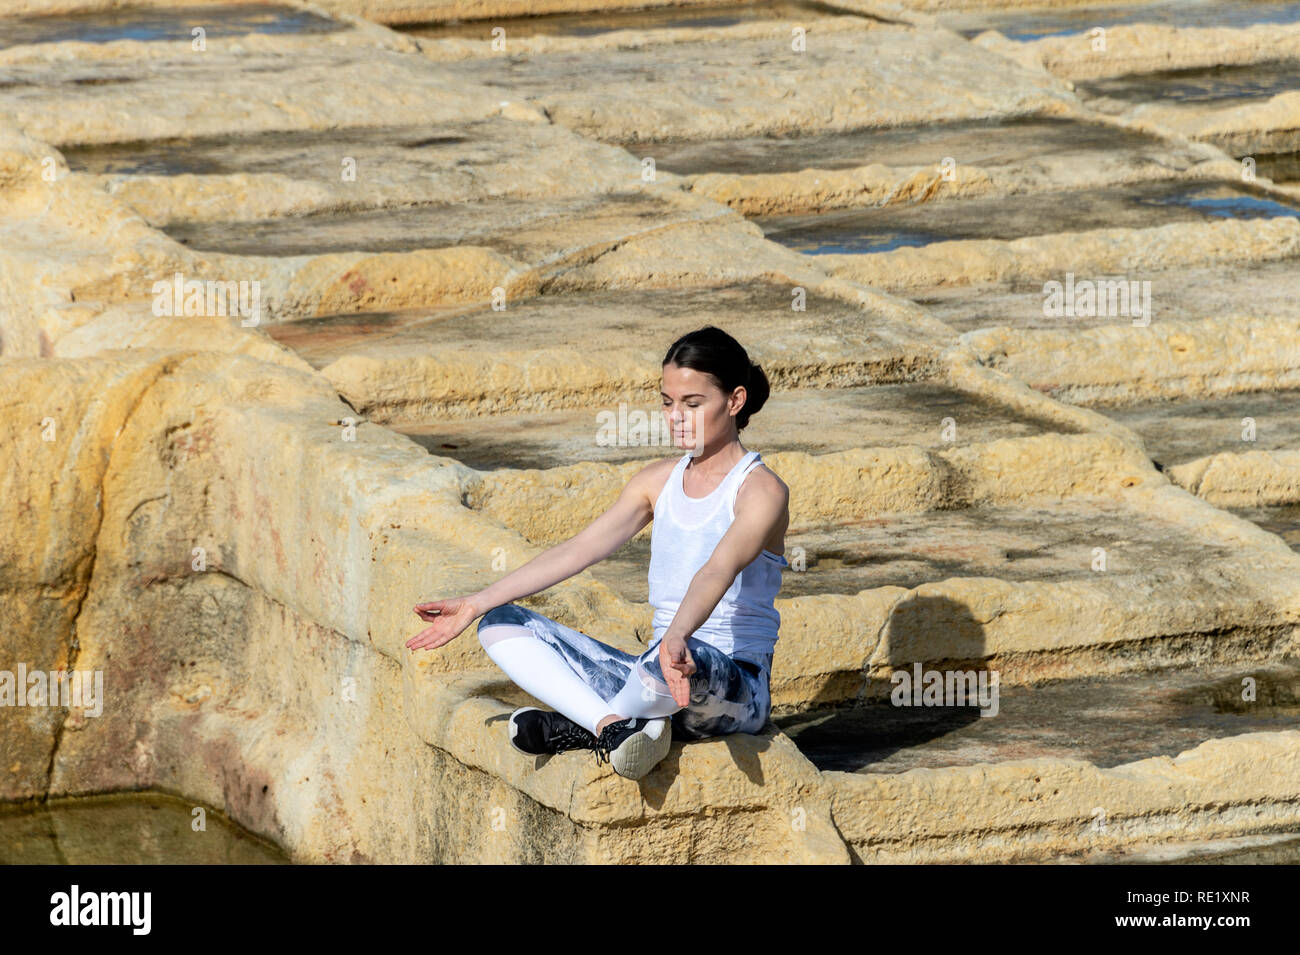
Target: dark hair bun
<point>757,392</point>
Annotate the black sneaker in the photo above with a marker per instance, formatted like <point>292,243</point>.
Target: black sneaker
<point>634,746</point>
<point>539,732</point>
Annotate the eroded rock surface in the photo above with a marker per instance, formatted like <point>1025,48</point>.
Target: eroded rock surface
<point>324,319</point>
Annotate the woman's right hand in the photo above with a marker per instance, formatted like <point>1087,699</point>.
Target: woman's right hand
<point>449,617</point>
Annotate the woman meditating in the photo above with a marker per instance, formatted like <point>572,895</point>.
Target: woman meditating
<point>716,556</point>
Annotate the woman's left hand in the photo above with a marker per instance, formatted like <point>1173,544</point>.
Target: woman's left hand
<point>677,666</point>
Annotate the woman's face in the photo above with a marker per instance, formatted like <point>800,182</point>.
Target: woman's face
<point>699,414</point>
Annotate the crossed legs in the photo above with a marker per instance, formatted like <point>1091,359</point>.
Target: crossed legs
<point>590,682</point>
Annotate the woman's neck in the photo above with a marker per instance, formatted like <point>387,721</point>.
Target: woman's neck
<point>708,466</point>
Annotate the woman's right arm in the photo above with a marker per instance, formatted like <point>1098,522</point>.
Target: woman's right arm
<point>633,510</point>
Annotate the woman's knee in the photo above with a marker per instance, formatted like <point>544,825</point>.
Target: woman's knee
<point>503,623</point>
<point>506,613</point>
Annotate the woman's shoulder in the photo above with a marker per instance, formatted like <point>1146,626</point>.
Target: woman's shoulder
<point>766,481</point>
<point>653,477</point>
<point>769,475</point>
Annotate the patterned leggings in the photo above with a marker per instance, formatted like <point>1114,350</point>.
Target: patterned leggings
<point>587,680</point>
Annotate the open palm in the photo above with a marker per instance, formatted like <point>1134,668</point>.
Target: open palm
<point>448,618</point>
<point>677,666</point>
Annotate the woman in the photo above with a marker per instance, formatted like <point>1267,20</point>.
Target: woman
<point>716,555</point>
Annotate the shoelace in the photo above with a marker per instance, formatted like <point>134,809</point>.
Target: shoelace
<point>602,746</point>
<point>566,739</point>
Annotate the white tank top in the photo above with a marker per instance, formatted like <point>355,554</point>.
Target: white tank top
<point>686,530</point>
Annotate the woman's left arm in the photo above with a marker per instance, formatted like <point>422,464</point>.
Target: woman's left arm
<point>760,508</point>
